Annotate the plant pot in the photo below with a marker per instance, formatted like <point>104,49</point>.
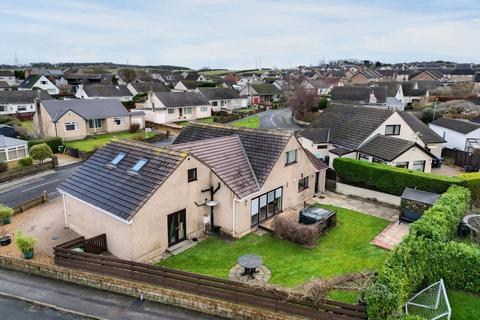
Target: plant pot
<point>5,241</point>
<point>28,255</point>
<point>7,220</point>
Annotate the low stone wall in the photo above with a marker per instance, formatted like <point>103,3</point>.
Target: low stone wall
<point>153,293</point>
<point>31,203</point>
<point>350,190</point>
<point>22,172</point>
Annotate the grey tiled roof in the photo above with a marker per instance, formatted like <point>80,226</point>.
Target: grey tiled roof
<point>29,81</point>
<point>87,109</point>
<point>144,87</point>
<point>350,125</point>
<point>6,73</point>
<point>112,188</point>
<point>263,147</point>
<point>339,151</point>
<point>316,135</point>
<point>457,125</point>
<point>426,134</point>
<point>181,99</point>
<point>385,148</point>
<point>100,90</point>
<point>219,93</point>
<point>265,88</point>
<point>319,164</point>
<point>227,158</point>
<point>6,142</point>
<point>23,96</point>
<point>358,94</point>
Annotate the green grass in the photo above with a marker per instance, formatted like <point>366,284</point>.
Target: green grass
<point>346,248</point>
<point>250,122</point>
<point>344,296</point>
<point>204,120</point>
<point>27,124</point>
<point>215,72</point>
<point>465,306</point>
<point>90,144</point>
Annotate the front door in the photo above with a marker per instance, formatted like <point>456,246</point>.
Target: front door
<point>177,227</point>
<point>180,112</point>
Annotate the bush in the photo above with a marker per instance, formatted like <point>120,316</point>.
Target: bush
<point>52,142</point>
<point>322,103</point>
<point>25,162</point>
<point>41,152</point>
<point>134,127</point>
<point>3,167</point>
<point>472,182</point>
<point>288,228</point>
<point>390,179</point>
<point>24,243</point>
<point>5,212</point>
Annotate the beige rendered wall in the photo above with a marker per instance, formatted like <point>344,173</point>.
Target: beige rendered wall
<point>70,116</point>
<point>111,127</point>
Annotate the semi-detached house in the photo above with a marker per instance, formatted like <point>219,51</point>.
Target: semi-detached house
<point>148,199</point>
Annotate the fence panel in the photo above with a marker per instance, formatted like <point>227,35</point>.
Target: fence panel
<point>462,158</point>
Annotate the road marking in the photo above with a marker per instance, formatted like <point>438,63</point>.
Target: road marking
<point>40,185</point>
<point>24,180</point>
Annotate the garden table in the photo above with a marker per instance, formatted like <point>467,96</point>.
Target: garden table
<point>250,262</point>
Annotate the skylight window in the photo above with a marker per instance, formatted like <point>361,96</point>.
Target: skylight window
<point>140,163</point>
<point>118,158</point>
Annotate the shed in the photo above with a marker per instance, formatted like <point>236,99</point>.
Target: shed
<point>7,131</point>
<point>415,202</point>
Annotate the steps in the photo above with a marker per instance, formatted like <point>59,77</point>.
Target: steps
<point>182,246</point>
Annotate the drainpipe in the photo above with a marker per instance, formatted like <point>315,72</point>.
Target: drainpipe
<point>234,215</point>
<point>65,211</point>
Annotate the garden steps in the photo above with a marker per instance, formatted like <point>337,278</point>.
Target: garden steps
<point>180,247</point>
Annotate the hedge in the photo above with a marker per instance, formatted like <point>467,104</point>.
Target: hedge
<point>388,179</point>
<point>472,182</point>
<point>53,143</point>
<point>425,256</point>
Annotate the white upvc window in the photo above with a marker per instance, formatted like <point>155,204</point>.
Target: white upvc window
<point>118,121</point>
<point>14,153</point>
<point>171,111</point>
<point>203,109</point>
<point>72,126</point>
<point>188,110</point>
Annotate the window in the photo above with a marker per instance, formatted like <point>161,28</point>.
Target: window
<point>21,108</point>
<point>188,110</point>
<point>140,163</point>
<point>2,108</point>
<point>214,103</point>
<point>203,109</point>
<point>192,174</point>
<point>266,205</point>
<point>3,156</point>
<point>71,126</point>
<point>419,165</point>
<point>392,130</point>
<point>95,123</point>
<point>322,146</point>
<point>302,184</point>
<point>43,82</point>
<point>117,121</point>
<point>378,160</point>
<point>291,157</point>
<point>171,111</point>
<point>118,158</point>
<point>403,164</point>
<point>362,156</point>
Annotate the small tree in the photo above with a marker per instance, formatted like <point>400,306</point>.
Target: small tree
<point>322,103</point>
<point>41,152</point>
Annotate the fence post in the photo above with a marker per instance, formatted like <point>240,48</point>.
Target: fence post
<point>44,196</point>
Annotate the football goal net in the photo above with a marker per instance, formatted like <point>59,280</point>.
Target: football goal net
<point>431,303</point>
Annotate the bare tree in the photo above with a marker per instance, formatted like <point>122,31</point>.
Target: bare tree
<point>127,74</point>
<point>301,99</point>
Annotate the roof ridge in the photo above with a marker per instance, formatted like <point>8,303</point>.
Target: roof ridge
<point>230,127</point>
<point>149,146</point>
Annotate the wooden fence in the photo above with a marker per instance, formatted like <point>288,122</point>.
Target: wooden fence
<point>462,158</point>
<point>211,287</point>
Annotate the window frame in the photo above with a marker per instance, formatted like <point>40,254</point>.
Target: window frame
<point>276,204</point>
<point>289,161</point>
<point>402,164</point>
<point>423,164</point>
<point>75,124</point>
<point>170,111</point>
<point>189,178</point>
<point>363,157</point>
<point>303,184</point>
<point>120,120</point>
<point>395,132</point>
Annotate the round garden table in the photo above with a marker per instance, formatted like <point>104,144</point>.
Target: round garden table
<point>250,262</point>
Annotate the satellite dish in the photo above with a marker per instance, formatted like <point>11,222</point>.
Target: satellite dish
<point>211,203</point>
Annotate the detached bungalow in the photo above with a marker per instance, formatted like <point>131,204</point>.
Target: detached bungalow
<point>76,119</point>
<point>149,199</point>
<point>261,93</point>
<point>144,87</point>
<point>459,134</point>
<point>100,91</point>
<point>223,98</point>
<point>39,82</point>
<point>359,95</point>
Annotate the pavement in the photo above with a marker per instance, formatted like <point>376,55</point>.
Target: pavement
<point>43,298</point>
<point>18,191</point>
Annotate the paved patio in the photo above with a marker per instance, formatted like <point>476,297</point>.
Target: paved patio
<point>391,235</point>
<point>448,170</point>
<point>262,276</point>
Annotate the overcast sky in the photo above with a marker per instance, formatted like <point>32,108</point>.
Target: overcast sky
<point>238,34</point>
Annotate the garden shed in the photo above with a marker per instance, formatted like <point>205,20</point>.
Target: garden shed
<point>415,202</point>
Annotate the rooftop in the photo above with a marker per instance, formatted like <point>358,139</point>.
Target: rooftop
<point>461,126</point>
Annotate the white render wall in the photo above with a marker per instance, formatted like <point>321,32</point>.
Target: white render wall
<point>13,108</point>
<point>455,140</point>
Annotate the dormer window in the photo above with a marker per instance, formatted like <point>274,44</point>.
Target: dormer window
<point>140,163</point>
<point>117,159</point>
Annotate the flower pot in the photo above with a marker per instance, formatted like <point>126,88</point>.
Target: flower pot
<point>7,220</point>
<point>28,255</point>
<point>5,241</point>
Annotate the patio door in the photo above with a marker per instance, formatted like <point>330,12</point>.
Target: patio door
<point>177,227</point>
<point>180,112</point>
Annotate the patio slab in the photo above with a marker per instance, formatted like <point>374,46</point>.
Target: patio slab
<point>262,276</point>
<point>391,235</point>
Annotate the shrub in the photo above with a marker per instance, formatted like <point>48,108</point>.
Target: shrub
<point>390,179</point>
<point>25,162</point>
<point>134,127</point>
<point>472,182</point>
<point>322,103</point>
<point>52,142</point>
<point>288,228</point>
<point>5,212</point>
<point>24,243</point>
<point>41,152</point>
<point>3,167</point>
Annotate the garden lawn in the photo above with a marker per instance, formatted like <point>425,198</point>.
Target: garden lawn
<point>90,144</point>
<point>346,248</point>
<point>465,306</point>
<point>250,122</point>
<point>27,124</point>
<point>204,120</point>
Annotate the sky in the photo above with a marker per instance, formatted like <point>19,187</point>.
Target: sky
<point>238,34</point>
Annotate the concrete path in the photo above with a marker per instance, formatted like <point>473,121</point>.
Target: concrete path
<point>89,301</point>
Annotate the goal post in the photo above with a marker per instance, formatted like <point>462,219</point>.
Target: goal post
<point>431,303</point>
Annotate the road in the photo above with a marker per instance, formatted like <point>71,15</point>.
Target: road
<point>18,191</point>
<point>280,119</point>
<point>78,299</point>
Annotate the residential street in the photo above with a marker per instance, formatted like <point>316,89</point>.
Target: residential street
<point>85,300</point>
<point>278,119</point>
<point>18,191</point>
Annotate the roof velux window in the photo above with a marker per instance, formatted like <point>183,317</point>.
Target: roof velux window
<point>118,158</point>
<point>140,163</point>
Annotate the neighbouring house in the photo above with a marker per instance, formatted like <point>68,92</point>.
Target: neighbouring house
<point>476,82</point>
<point>8,77</point>
<point>164,107</point>
<point>366,76</point>
<point>426,75</point>
<point>76,119</point>
<point>149,199</point>
<point>459,134</point>
<point>223,98</point>
<point>100,91</point>
<point>12,149</point>
<point>342,131</point>
<point>39,82</point>
<point>144,87</point>
<point>362,95</point>
<point>462,75</point>
<point>191,85</point>
<point>21,103</point>
<point>261,93</point>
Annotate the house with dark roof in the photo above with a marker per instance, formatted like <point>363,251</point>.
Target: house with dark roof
<point>103,91</point>
<point>21,103</point>
<point>165,107</point>
<point>149,199</point>
<point>76,119</point>
<point>360,95</point>
<point>341,130</point>
<point>426,75</point>
<point>459,134</point>
<point>191,85</point>
<point>8,76</point>
<point>223,98</point>
<point>39,82</point>
<point>261,93</point>
<point>144,87</point>
<point>366,77</point>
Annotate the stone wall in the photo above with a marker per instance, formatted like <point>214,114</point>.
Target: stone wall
<point>153,293</point>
